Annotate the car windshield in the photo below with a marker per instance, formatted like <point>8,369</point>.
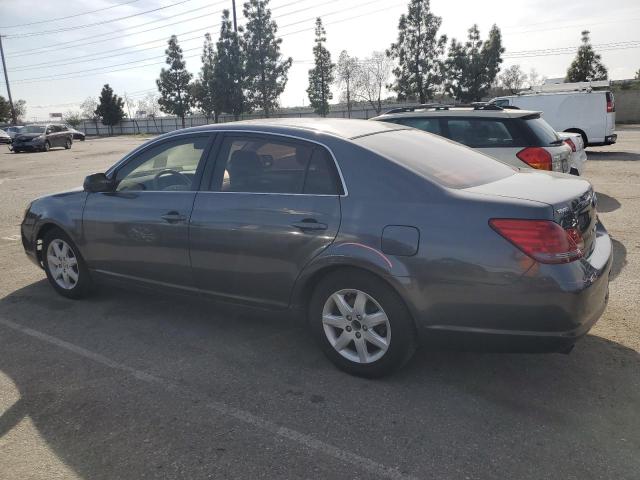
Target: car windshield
<point>32,129</point>
<point>545,133</point>
<point>445,162</point>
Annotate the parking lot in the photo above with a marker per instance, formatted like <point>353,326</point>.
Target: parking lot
<point>138,385</point>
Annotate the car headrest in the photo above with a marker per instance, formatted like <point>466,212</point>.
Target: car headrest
<point>244,162</point>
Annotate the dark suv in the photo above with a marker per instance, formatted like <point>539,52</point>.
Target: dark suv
<point>42,138</point>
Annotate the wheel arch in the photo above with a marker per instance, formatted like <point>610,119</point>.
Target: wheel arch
<point>585,139</point>
<point>42,230</point>
<point>307,283</point>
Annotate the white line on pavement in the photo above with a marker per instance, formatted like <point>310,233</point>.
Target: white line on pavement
<point>244,416</point>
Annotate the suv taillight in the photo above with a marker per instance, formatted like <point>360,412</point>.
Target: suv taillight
<point>611,106</point>
<point>569,142</point>
<point>536,157</point>
<point>543,240</point>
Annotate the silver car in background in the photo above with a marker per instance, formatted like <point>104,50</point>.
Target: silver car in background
<point>518,137</point>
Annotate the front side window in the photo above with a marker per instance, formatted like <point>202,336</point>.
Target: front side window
<point>170,166</point>
<point>263,164</point>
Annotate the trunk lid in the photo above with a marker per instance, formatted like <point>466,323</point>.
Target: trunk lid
<point>572,199</point>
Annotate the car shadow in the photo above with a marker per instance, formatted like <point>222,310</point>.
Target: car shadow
<point>613,156</point>
<point>555,410</point>
<point>619,258</point>
<point>606,203</point>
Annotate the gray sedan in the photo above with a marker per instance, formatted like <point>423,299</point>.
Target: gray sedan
<point>379,236</point>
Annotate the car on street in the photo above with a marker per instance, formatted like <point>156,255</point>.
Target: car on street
<point>4,137</point>
<point>518,137</point>
<point>42,138</point>
<point>578,156</point>
<point>572,107</point>
<point>77,134</point>
<point>378,236</point>
<point>13,130</point>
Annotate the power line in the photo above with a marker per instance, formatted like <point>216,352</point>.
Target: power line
<point>104,22</point>
<point>70,16</point>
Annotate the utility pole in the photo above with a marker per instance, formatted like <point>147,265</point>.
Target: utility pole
<point>235,22</point>
<point>6,80</point>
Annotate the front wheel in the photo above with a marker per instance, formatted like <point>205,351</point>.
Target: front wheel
<point>361,323</point>
<point>67,144</point>
<point>65,268</point>
<point>47,146</point>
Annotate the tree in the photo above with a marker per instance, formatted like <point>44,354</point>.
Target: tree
<point>20,107</point>
<point>587,65</point>
<point>203,91</point>
<point>347,72</point>
<point>372,79</point>
<point>513,79</point>
<point>149,106</point>
<point>5,110</point>
<point>174,83</point>
<point>638,74</point>
<point>321,76</point>
<point>266,71</point>
<point>88,110</point>
<point>110,108</point>
<point>418,53</point>
<point>472,67</point>
<point>72,118</point>
<point>229,76</point>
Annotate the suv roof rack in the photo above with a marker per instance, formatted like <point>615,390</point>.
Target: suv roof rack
<point>422,106</point>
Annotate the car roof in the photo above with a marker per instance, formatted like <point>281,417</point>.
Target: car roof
<point>460,112</point>
<point>303,127</point>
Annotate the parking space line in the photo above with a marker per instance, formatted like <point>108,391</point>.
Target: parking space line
<point>306,440</point>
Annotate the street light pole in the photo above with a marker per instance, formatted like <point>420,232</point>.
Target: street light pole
<point>235,22</point>
<point>6,80</point>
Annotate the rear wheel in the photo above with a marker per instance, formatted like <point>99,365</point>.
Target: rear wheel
<point>362,325</point>
<point>65,268</point>
<point>67,143</point>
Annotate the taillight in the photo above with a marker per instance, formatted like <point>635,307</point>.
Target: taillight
<point>543,240</point>
<point>611,106</point>
<point>569,142</point>
<point>536,157</point>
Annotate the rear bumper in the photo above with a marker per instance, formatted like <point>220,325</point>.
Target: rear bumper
<point>547,310</point>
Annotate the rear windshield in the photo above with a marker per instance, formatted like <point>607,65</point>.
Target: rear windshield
<point>543,131</point>
<point>446,163</point>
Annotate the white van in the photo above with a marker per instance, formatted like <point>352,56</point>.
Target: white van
<point>571,107</point>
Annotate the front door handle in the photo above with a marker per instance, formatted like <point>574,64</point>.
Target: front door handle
<point>173,217</point>
<point>309,224</point>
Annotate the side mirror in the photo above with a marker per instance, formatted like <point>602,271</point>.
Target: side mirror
<point>98,182</point>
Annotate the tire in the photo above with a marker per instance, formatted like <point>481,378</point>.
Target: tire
<point>16,151</point>
<point>46,147</point>
<point>331,327</point>
<point>67,144</point>
<point>62,281</point>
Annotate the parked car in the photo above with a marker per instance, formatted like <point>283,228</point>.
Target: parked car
<point>13,130</point>
<point>378,235</point>
<point>77,134</point>
<point>42,138</point>
<point>4,137</point>
<point>518,137</point>
<point>578,156</point>
<point>572,107</point>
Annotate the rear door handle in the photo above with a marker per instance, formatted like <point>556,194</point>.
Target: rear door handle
<point>309,224</point>
<point>173,217</point>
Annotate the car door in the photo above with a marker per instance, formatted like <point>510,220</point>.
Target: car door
<point>272,205</point>
<point>140,229</point>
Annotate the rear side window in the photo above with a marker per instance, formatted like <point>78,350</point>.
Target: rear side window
<point>544,134</point>
<point>263,164</point>
<point>431,125</point>
<point>483,133</point>
<point>442,161</point>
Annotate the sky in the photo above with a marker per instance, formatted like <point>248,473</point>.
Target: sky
<point>55,64</point>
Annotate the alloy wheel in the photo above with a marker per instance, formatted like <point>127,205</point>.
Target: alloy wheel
<point>356,326</point>
<point>63,264</point>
